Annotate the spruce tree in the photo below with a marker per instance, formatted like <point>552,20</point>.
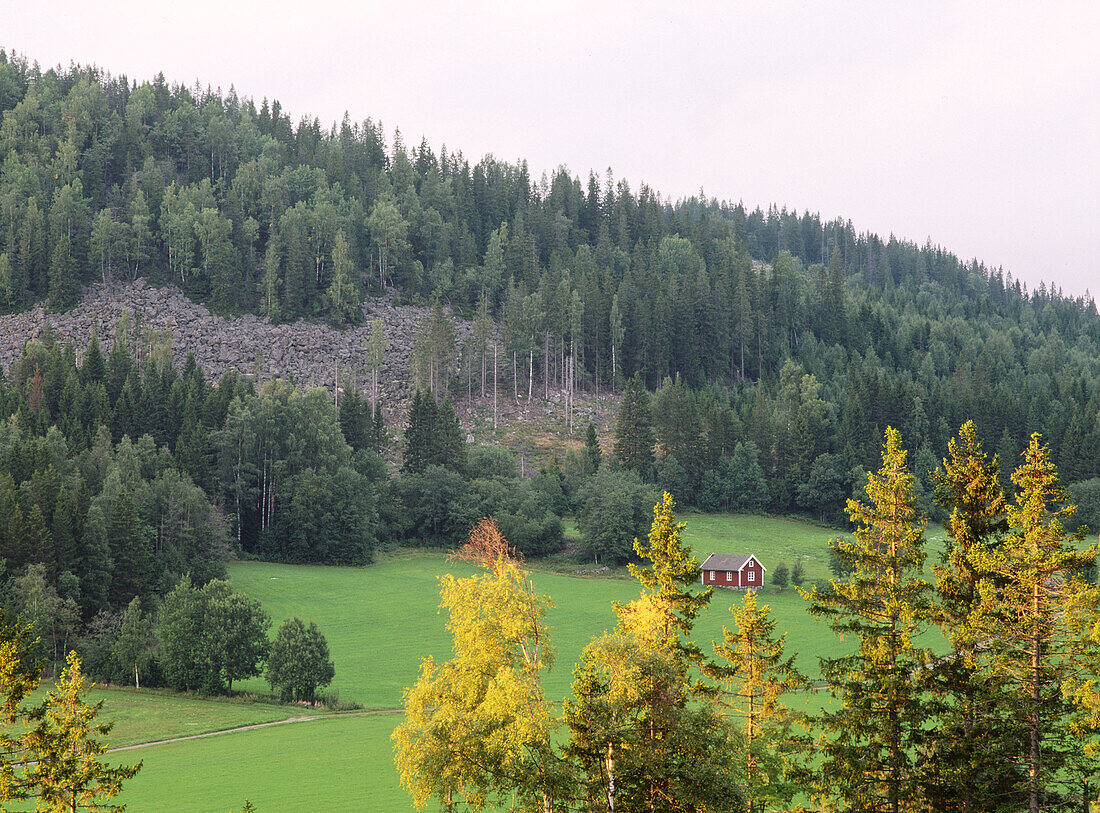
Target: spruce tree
<point>966,762</point>
<point>1036,611</point>
<point>19,676</point>
<point>592,454</point>
<point>755,677</point>
<point>419,437</point>
<point>94,368</point>
<point>866,745</point>
<point>644,734</point>
<point>129,552</point>
<point>64,746</point>
<point>449,448</point>
<point>634,432</point>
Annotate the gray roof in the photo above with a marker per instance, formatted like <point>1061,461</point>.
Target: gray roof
<point>729,561</point>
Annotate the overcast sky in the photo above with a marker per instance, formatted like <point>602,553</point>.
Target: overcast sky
<point>974,124</point>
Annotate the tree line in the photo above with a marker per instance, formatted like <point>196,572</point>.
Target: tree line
<point>573,285</point>
<point>999,717</point>
<point>51,749</point>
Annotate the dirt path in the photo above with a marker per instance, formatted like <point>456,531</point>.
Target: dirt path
<point>254,726</point>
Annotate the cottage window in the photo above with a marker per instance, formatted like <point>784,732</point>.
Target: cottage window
<point>752,576</point>
<point>712,575</point>
<point>729,575</point>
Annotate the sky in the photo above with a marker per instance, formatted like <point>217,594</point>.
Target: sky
<point>975,125</point>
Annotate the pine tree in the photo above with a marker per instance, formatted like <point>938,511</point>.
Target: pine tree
<point>866,745</point>
<point>19,676</point>
<point>67,774</point>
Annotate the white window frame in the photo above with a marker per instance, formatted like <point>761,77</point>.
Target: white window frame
<point>712,575</point>
<point>752,576</point>
<point>729,575</point>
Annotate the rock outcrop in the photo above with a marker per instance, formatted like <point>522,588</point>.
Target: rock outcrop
<point>306,352</point>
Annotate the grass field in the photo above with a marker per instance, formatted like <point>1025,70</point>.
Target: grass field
<point>338,763</point>
<point>384,619</point>
<point>144,716</point>
<point>380,621</point>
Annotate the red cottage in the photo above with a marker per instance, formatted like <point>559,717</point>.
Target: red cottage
<point>738,571</point>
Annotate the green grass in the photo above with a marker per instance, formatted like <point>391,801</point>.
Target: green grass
<point>380,621</point>
<point>144,716</point>
<point>336,763</point>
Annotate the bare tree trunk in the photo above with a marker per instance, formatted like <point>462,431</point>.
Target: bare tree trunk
<point>530,373</point>
<point>1034,755</point>
<point>496,380</point>
<point>570,372</point>
<point>610,778</point>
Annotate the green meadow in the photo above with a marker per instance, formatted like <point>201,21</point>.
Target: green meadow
<point>380,622</point>
<point>143,716</point>
<point>337,763</point>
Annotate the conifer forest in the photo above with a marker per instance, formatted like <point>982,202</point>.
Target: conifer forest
<point>751,360</point>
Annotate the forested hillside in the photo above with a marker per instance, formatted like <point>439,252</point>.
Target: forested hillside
<point>800,337</point>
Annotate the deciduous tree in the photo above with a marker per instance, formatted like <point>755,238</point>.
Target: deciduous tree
<point>478,727</point>
<point>299,662</point>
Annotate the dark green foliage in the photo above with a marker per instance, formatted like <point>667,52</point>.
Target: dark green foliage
<point>633,433</point>
<point>433,437</point>
<point>825,488</point>
<point>781,575</point>
<point>210,636</point>
<point>798,573</point>
<point>614,510</point>
<point>324,517</point>
<point>773,326</point>
<point>593,457</point>
<point>737,484</point>
<point>299,662</point>
<point>1086,496</point>
<point>287,474</point>
<point>433,507</point>
<point>356,422</point>
<point>129,551</point>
